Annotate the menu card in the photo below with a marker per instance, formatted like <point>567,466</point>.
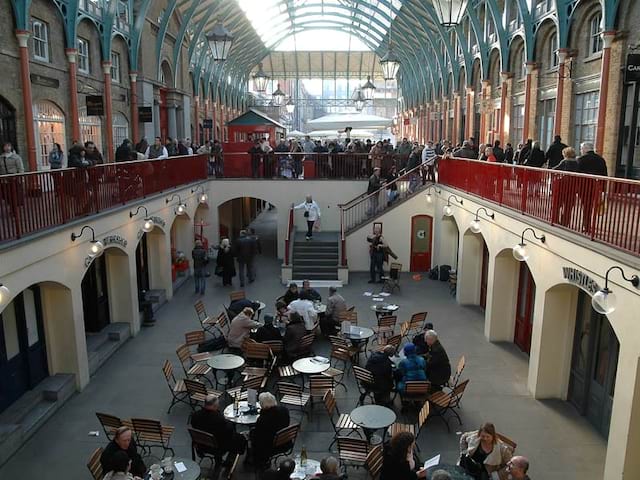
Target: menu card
<point>252,396</point>
<point>432,461</point>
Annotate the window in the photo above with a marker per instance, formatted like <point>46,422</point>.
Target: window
<point>120,128</point>
<point>553,51</point>
<point>595,40</point>
<point>586,117</point>
<point>517,132</point>
<point>40,40</point>
<point>83,55</point>
<point>115,67</point>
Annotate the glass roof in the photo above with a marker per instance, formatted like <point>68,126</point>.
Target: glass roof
<point>341,24</point>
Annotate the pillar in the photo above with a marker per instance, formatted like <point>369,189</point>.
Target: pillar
<point>486,109</point>
<point>156,117</point>
<point>470,115</point>
<point>196,120</point>
<point>445,121</point>
<point>557,118</point>
<point>529,66</point>
<point>73,93</point>
<point>607,39</point>
<point>135,122</point>
<point>27,98</point>
<point>172,120</point>
<point>108,112</point>
<point>455,131</point>
<point>222,108</point>
<point>206,113</point>
<point>503,128</point>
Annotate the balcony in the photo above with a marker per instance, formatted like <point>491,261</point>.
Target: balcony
<point>38,201</point>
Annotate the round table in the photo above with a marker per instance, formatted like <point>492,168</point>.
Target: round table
<point>372,418</point>
<point>242,417</point>
<point>192,471</point>
<point>310,366</point>
<point>261,307</point>
<point>227,362</point>
<point>359,336</point>
<point>456,472</point>
<point>382,309</point>
<point>308,471</point>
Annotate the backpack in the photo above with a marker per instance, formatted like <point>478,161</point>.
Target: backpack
<point>434,273</point>
<point>444,272</point>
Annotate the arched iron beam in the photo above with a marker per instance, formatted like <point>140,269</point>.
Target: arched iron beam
<point>136,33</point>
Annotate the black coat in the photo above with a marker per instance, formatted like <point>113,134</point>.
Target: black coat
<point>269,423</point>
<point>592,163</point>
<point>125,154</point>
<point>381,368</point>
<point>438,365</point>
<point>554,154</point>
<point>292,336</point>
<point>465,152</point>
<point>267,333</point>
<point>213,422</point>
<point>246,248</point>
<point>138,467</point>
<point>290,296</point>
<point>535,159</point>
<point>396,469</point>
<point>508,155</point>
<point>499,154</point>
<point>225,261</point>
<point>567,165</point>
<point>420,343</point>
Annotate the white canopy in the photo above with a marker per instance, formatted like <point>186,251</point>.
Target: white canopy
<point>339,121</point>
<point>295,134</point>
<point>355,133</point>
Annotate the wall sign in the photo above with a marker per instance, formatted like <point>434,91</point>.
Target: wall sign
<point>145,114</point>
<point>632,70</point>
<point>115,240</point>
<point>44,81</point>
<point>581,279</point>
<point>95,105</point>
<point>158,221</point>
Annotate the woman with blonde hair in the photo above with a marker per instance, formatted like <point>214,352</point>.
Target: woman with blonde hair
<point>482,453</point>
<point>225,265</point>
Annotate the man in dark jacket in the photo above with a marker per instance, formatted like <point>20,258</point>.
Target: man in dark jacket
<point>93,155</point>
<point>313,294</point>
<point>554,152</point>
<point>438,366</point>
<point>268,332</point>
<point>283,472</point>
<point>524,152</point>
<point>291,294</point>
<point>246,250</point>
<point>200,261</point>
<point>292,336</point>
<point>273,417</point>
<point>380,366</point>
<point>508,154</point>
<point>123,442</point>
<point>590,162</point>
<point>209,419</point>
<point>420,340</point>
<point>593,164</point>
<point>498,152</point>
<point>535,157</point>
<point>124,153</point>
<point>466,151</point>
<point>256,158</point>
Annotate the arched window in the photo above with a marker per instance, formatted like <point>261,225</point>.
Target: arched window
<point>120,128</point>
<point>595,40</point>
<point>50,128</point>
<point>90,128</point>
<point>552,54</point>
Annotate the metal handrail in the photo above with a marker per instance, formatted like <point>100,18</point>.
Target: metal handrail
<point>287,240</point>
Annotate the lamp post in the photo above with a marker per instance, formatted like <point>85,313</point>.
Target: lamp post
<point>604,301</point>
<point>95,246</point>
<point>260,80</point>
<point>220,40</point>
<point>390,64</point>
<point>450,12</point>
<point>290,106</point>
<point>520,251</point>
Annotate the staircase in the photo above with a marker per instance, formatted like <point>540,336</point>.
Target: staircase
<point>316,259</point>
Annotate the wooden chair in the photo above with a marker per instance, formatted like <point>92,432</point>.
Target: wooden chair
<point>206,322</point>
<point>338,355</point>
<point>293,394</point>
<point>237,295</point>
<point>504,439</point>
<point>319,385</point>
<point>151,433</point>
<point>306,345</point>
<point>392,281</point>
<point>409,427</point>
<point>260,371</point>
<point>343,422</point>
<point>352,452</point>
<point>365,381</point>
<point>194,339</point>
<point>94,465</point>
<point>385,328</point>
<point>192,369</point>
<point>455,378</point>
<point>404,329</point>
<point>287,371</point>
<point>349,316</point>
<point>344,344</point>
<point>257,354</point>
<point>394,341</point>
<point>254,383</point>
<point>197,392</point>
<point>374,460</point>
<point>110,423</point>
<point>416,324</point>
<point>442,403</point>
<point>284,441</point>
<point>276,346</point>
<point>453,283</point>
<point>415,391</point>
<point>204,445</point>
<point>176,387</point>
<point>222,323</point>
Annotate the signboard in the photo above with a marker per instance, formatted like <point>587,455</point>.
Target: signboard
<point>44,81</point>
<point>95,105</point>
<point>632,70</point>
<point>207,123</point>
<point>145,114</point>
<point>581,279</point>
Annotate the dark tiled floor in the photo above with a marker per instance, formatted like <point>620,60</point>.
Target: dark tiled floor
<point>559,443</point>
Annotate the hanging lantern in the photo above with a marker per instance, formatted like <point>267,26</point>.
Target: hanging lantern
<point>368,89</point>
<point>450,12</point>
<point>278,97</point>
<point>390,65</point>
<point>359,100</point>
<point>260,80</point>
<point>290,106</point>
<point>220,40</point>
<point>148,225</point>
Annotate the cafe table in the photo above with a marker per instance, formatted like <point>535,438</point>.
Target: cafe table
<point>319,308</point>
<point>455,472</point>
<point>227,362</point>
<point>359,336</point>
<point>311,365</point>
<point>242,416</point>
<point>303,472</point>
<point>371,418</point>
<point>384,309</point>
<point>191,472</point>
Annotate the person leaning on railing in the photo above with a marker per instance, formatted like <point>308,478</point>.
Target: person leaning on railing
<point>10,161</point>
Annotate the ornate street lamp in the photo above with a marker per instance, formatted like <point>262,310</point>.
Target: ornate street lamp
<point>260,80</point>
<point>390,64</point>
<point>450,12</point>
<point>359,100</point>
<point>278,97</point>
<point>220,40</point>
<point>290,106</point>
<point>368,89</point>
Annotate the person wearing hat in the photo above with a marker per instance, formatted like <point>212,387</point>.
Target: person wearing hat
<point>268,332</point>
<point>411,368</point>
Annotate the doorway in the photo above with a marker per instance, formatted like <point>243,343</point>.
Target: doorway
<point>142,268</point>
<point>628,163</point>
<point>8,123</point>
<point>95,296</point>
<point>484,278</point>
<point>524,309</point>
<point>23,354</point>
<point>421,234</point>
<point>594,365</point>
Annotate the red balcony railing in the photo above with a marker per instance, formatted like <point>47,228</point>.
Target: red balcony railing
<point>32,202</point>
<point>603,209</point>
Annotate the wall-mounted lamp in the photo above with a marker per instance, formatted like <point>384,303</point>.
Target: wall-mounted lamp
<point>520,250</point>
<point>475,223</point>
<point>181,209</point>
<point>604,301</point>
<point>447,210</point>
<point>148,223</point>
<point>5,294</point>
<point>203,197</point>
<point>429,196</point>
<point>95,246</point>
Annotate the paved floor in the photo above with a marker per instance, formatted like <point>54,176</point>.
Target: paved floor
<point>559,442</point>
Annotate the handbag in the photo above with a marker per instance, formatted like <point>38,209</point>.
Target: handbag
<point>306,214</point>
<point>470,466</point>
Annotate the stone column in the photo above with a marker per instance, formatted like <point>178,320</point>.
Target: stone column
<point>486,111</point>
<point>504,107</point>
<point>172,119</point>
<point>557,118</point>
<point>156,117</point>
<point>455,131</point>
<point>108,113</point>
<point>607,39</point>
<point>72,54</point>
<point>27,98</point>
<point>527,100</point>
<point>135,122</point>
<point>196,120</point>
<point>470,116</point>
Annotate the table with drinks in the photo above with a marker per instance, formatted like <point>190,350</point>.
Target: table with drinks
<point>305,467</point>
<point>177,468</point>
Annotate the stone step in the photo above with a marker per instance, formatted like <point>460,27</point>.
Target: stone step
<point>315,247</point>
<point>316,276</point>
<point>315,261</point>
<point>315,268</point>
<point>116,334</point>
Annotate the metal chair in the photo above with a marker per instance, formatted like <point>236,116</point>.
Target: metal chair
<point>276,347</point>
<point>365,381</point>
<point>392,281</point>
<point>374,460</point>
<point>206,322</point>
<point>319,385</point>
<point>338,355</point>
<point>237,295</point>
<point>352,452</point>
<point>94,465</point>
<point>306,345</point>
<point>176,387</point>
<point>204,445</point>
<point>194,339</point>
<point>409,427</point>
<point>257,354</point>
<point>151,433</point>
<point>415,391</point>
<point>284,442</point>
<point>455,378</point>
<point>344,419</point>
<point>416,324</point>
<point>394,341</point>
<point>250,383</point>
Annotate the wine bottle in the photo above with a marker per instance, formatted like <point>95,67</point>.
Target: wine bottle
<point>303,456</point>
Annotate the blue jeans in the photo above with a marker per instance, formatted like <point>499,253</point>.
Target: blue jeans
<point>200,281</point>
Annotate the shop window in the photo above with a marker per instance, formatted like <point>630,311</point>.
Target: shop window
<point>40,32</point>
<point>50,128</point>
<point>120,128</point>
<point>586,117</point>
<point>90,129</point>
<point>115,67</point>
<point>595,39</point>
<point>83,56</point>
<point>517,132</point>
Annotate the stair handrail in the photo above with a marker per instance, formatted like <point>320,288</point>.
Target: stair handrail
<point>287,240</point>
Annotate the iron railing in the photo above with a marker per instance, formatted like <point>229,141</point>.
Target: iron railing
<point>287,240</point>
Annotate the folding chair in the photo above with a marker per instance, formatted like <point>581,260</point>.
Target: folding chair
<point>208,323</point>
<point>284,442</point>
<point>260,371</point>
<point>94,465</point>
<point>197,392</point>
<point>338,355</point>
<point>394,341</point>
<point>237,295</point>
<point>194,339</point>
<point>365,381</point>
<point>192,369</point>
<point>344,419</point>
<point>374,460</point>
<point>409,427</point>
<point>349,316</point>
<point>257,354</point>
<point>293,394</point>
<point>415,391</point>
<point>392,281</point>
<point>443,403</point>
<point>176,387</point>
<point>385,328</point>
<point>110,423</point>
<point>352,452</point>
<point>416,324</point>
<point>151,433</point>
<point>254,383</point>
<point>233,466</point>
<point>455,378</point>
<point>276,347</point>
<point>319,385</point>
<point>204,445</point>
<point>306,345</point>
